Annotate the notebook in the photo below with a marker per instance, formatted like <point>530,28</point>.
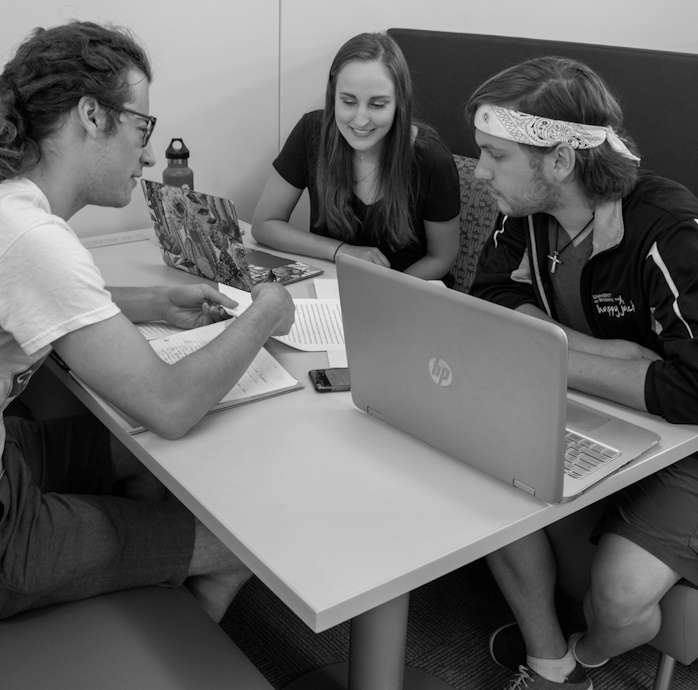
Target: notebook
<point>199,233</point>
<point>480,382</point>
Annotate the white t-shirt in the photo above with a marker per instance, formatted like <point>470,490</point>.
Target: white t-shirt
<point>49,286</point>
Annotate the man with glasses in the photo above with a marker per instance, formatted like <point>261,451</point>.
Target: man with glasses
<point>80,516</point>
<point>149,124</point>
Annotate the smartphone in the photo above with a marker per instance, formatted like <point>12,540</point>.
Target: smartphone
<point>328,380</point>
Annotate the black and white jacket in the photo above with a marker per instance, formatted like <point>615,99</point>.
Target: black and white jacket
<point>640,283</point>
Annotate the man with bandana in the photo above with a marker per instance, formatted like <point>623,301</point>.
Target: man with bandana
<point>608,251</point>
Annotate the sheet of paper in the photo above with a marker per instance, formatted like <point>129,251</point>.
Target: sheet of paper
<point>326,288</point>
<point>263,376</point>
<point>157,329</point>
<point>172,348</point>
<point>244,299</point>
<point>337,358</point>
<point>318,326</point>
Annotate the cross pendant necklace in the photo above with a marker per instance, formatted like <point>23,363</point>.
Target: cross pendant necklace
<point>555,260</point>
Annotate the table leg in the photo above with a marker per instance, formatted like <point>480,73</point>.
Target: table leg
<point>376,656</point>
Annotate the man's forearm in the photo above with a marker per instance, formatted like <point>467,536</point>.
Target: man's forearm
<point>619,380</point>
<point>140,303</point>
<point>610,369</point>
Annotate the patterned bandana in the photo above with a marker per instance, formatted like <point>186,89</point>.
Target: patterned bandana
<point>532,130</point>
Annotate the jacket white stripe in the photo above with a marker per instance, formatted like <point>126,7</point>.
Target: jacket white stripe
<point>536,268</point>
<point>657,258</point>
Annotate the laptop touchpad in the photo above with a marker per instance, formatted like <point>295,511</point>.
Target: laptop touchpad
<point>584,419</point>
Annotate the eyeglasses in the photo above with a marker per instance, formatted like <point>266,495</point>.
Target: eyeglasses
<point>150,126</point>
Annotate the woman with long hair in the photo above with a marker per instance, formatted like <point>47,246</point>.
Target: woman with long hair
<point>382,186</point>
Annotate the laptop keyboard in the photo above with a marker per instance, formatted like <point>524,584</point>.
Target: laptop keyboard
<point>582,455</point>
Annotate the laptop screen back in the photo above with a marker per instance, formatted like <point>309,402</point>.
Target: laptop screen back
<point>473,379</point>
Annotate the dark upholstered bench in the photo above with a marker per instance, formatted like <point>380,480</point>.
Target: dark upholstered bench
<point>656,89</point>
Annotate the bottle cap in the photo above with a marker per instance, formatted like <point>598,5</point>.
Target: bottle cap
<point>177,150</point>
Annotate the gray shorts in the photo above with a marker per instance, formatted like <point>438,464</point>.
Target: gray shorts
<point>64,535</point>
<point>660,514</point>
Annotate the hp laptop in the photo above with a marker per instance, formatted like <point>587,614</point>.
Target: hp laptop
<point>480,382</point>
<point>199,233</point>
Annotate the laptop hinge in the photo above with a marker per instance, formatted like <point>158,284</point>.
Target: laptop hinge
<point>375,413</point>
<point>524,487</point>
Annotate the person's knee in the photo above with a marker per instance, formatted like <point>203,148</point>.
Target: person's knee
<point>627,583</point>
<point>616,604</point>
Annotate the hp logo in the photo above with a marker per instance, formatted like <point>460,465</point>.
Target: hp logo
<point>440,372</point>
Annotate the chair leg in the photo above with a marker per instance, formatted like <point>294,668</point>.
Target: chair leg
<point>665,672</point>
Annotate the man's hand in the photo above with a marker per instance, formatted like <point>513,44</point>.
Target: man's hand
<point>611,369</point>
<point>601,347</point>
<point>275,299</point>
<point>191,306</point>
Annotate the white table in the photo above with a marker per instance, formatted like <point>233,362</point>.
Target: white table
<point>340,515</point>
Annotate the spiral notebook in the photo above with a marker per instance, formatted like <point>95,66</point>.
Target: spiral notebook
<point>199,233</point>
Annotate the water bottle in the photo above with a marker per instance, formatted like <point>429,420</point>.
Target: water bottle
<point>178,172</point>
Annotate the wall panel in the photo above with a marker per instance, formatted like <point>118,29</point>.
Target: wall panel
<point>215,85</point>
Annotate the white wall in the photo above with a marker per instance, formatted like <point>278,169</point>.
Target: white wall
<point>232,77</point>
<point>215,85</point>
<point>313,30</point>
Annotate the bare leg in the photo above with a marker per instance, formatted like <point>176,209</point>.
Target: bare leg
<point>622,604</point>
<point>215,573</point>
<point>525,572</point>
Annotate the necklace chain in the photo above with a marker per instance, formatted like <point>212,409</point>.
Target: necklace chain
<point>555,260</point>
<point>372,171</point>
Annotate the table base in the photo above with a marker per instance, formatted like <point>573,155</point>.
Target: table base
<point>376,656</point>
<point>335,677</point>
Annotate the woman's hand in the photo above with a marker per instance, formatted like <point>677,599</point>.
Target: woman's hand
<point>371,254</point>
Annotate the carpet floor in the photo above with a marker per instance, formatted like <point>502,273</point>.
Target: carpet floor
<point>449,625</point>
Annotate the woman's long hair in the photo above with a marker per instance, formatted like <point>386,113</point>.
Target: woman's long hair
<point>335,173</point>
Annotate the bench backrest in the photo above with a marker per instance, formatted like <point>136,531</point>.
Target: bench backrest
<point>657,89</point>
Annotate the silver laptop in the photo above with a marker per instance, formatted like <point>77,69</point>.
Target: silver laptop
<point>480,382</point>
<point>199,233</point>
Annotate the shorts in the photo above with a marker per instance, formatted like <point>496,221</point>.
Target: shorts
<point>660,514</point>
<point>63,535</point>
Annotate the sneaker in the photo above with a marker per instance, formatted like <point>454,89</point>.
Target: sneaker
<point>507,646</point>
<point>526,679</point>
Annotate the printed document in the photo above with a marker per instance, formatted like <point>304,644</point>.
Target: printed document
<point>318,325</point>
